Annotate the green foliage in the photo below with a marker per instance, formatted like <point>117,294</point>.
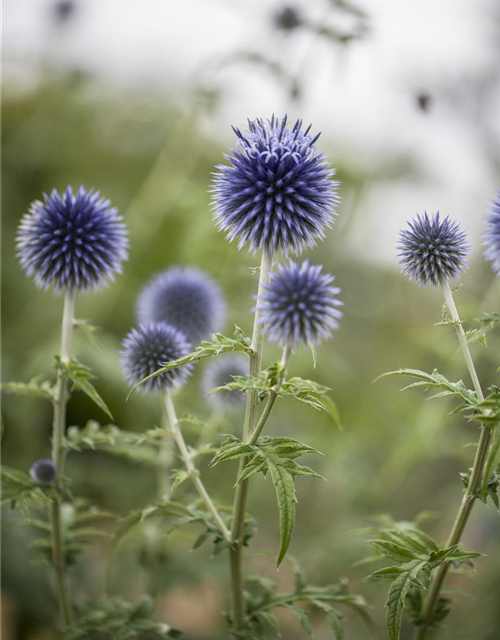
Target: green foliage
<point>178,515</point>
<point>120,620</point>
<point>276,455</point>
<point>488,322</point>
<point>81,376</point>
<point>112,440</point>
<point>207,349</point>
<point>36,388</point>
<point>306,391</point>
<point>88,330</point>
<point>94,436</point>
<point>414,555</point>
<point>33,501</point>
<point>23,493</point>
<point>467,397</point>
<point>303,601</point>
<point>414,602</point>
<point>79,520</point>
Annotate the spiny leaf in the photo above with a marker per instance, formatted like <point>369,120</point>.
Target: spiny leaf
<point>435,379</point>
<point>393,551</point>
<point>80,375</point>
<point>36,388</point>
<point>276,455</point>
<point>285,494</point>
<point>334,619</point>
<point>89,330</point>
<point>115,618</point>
<point>397,596</point>
<point>302,615</point>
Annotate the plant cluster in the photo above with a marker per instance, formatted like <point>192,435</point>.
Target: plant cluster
<point>275,196</point>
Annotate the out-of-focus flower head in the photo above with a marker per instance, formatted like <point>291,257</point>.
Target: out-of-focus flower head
<point>146,349</point>
<point>186,298</point>
<point>492,235</point>
<point>43,472</point>
<point>219,372</point>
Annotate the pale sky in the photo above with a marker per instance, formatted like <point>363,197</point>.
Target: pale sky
<point>361,97</point>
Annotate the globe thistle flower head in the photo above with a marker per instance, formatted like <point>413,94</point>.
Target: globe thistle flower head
<point>73,242</point>
<point>299,303</point>
<point>277,193</point>
<point>186,298</point>
<point>219,372</point>
<point>492,235</point>
<point>146,349</point>
<point>43,472</point>
<point>432,249</point>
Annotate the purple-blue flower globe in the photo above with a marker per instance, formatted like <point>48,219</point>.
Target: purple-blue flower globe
<point>186,298</point>
<point>299,303</point>
<point>219,372</point>
<point>74,242</point>
<point>432,249</point>
<point>146,349</point>
<point>277,194</point>
<point>492,235</point>
<point>43,472</point>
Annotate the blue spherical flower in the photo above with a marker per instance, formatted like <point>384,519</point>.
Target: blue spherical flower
<point>299,303</point>
<point>432,249</point>
<point>220,372</point>
<point>147,348</point>
<point>43,472</point>
<point>277,194</point>
<point>72,241</point>
<point>187,299</point>
<point>492,235</point>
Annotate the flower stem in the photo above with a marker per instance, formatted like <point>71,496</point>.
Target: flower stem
<point>273,395</point>
<point>164,462</point>
<point>58,427</point>
<point>475,477</point>
<point>191,469</point>
<point>240,496</point>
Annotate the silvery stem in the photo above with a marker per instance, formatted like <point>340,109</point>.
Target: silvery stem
<point>58,428</point>
<point>190,467</point>
<point>470,494</point>
<point>240,496</point>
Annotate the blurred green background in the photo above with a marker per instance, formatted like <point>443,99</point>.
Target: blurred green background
<point>396,453</point>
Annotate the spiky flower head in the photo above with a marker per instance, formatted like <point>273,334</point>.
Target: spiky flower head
<point>492,235</point>
<point>186,298</point>
<point>43,472</point>
<point>146,349</point>
<point>74,242</point>
<point>220,372</point>
<point>277,193</point>
<point>299,303</point>
<point>432,249</point>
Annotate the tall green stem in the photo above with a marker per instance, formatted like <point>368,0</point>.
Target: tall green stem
<point>475,477</point>
<point>58,427</point>
<point>164,462</point>
<point>240,496</point>
<point>190,467</point>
